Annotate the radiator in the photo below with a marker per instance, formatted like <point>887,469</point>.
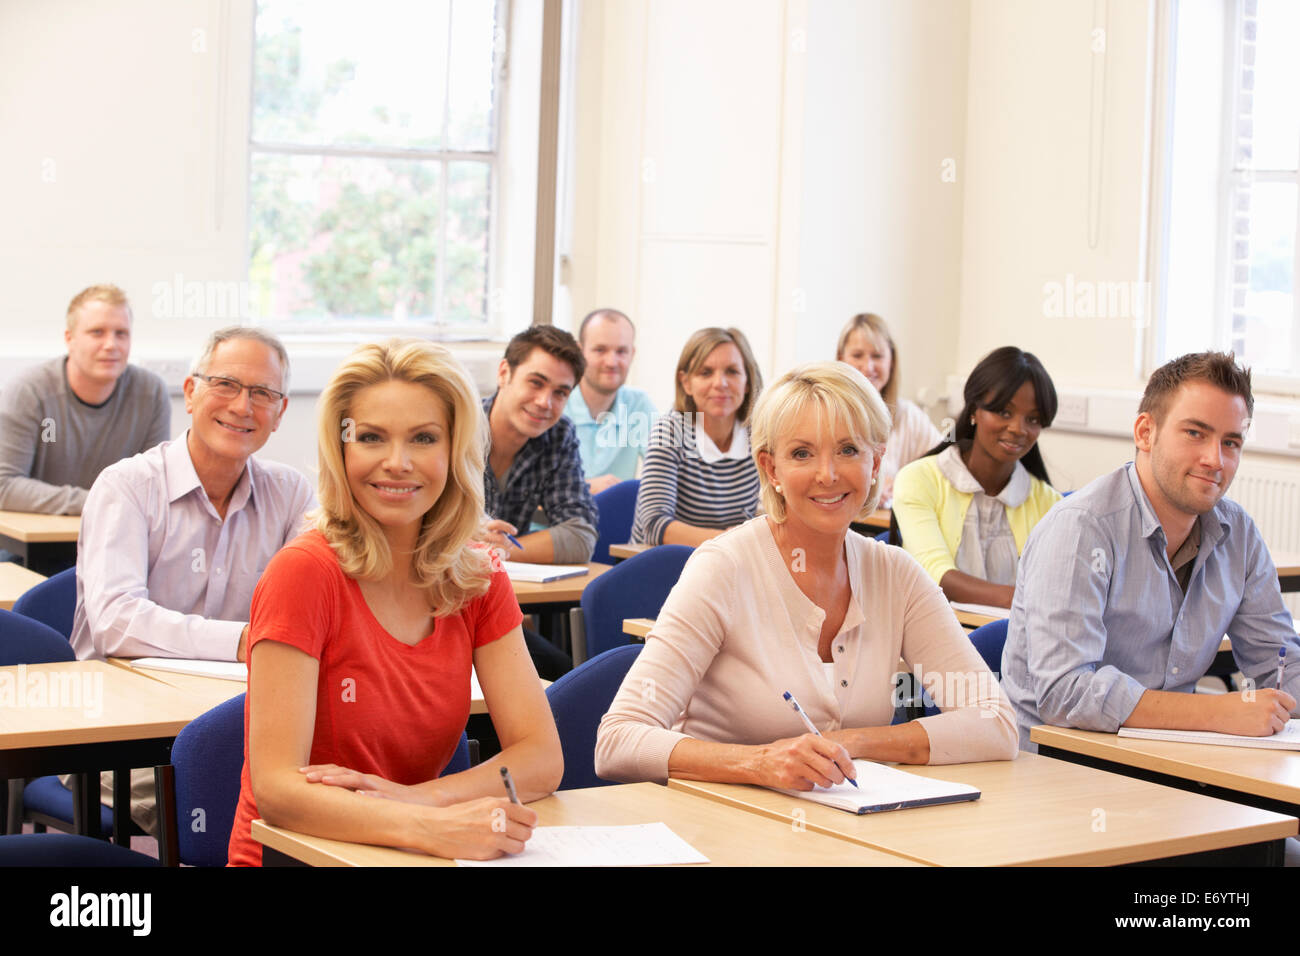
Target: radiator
<point>1271,495</point>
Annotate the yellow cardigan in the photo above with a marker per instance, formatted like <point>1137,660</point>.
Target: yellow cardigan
<point>931,513</point>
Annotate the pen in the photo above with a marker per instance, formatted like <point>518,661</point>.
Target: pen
<point>1281,665</point>
<point>513,540</point>
<point>510,785</point>
<point>812,728</point>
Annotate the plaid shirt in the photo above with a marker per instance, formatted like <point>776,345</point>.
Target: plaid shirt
<point>547,471</point>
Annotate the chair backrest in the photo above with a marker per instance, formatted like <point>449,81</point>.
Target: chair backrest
<point>24,641</point>
<point>460,759</point>
<point>52,602</point>
<point>66,849</point>
<point>209,757</point>
<point>616,507</point>
<point>636,587</point>
<point>988,640</point>
<point>578,701</point>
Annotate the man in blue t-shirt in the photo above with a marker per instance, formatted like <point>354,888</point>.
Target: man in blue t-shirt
<point>613,421</point>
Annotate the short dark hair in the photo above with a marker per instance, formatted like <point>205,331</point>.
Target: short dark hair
<point>552,341</point>
<point>1220,369</point>
<point>597,313</point>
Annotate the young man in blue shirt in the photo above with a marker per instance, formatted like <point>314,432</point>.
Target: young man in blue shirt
<point>613,421</point>
<point>1126,588</point>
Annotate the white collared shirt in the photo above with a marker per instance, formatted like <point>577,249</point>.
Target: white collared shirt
<point>739,447</point>
<point>987,549</point>
<point>159,573</point>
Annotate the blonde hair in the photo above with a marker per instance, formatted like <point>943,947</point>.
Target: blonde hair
<point>444,566</point>
<point>842,395</point>
<point>96,293</point>
<point>874,328</point>
<point>698,348</point>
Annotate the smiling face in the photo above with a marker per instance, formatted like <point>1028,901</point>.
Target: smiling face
<point>823,473</point>
<point>98,344</point>
<point>1193,455</point>
<point>531,398</point>
<point>870,356</point>
<point>718,385</point>
<point>1006,435</point>
<point>232,429</point>
<point>607,345</point>
<point>397,462</point>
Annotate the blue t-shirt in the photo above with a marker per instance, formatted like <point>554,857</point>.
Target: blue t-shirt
<point>613,445</point>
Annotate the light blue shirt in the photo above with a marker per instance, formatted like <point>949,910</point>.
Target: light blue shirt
<point>1099,618</point>
<point>612,445</point>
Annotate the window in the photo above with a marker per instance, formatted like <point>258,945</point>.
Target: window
<point>373,165</point>
<point>1232,181</point>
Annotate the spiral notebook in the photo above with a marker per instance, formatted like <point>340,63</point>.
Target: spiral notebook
<point>881,788</point>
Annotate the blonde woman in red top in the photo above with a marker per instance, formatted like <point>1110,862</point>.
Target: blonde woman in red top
<point>364,631</point>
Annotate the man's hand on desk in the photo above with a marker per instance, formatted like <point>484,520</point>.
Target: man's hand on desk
<point>493,533</point>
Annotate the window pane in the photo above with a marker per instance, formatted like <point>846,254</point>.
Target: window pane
<point>344,238</point>
<point>338,73</point>
<point>1264,303</point>
<point>1272,124</point>
<point>469,125</point>
<point>468,188</point>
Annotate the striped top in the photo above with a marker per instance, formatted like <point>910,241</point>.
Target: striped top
<point>677,484</point>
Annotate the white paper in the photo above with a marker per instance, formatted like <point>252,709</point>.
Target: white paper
<point>642,844</point>
<point>1288,738</point>
<point>542,573</point>
<point>225,670</point>
<point>988,610</point>
<point>883,788</point>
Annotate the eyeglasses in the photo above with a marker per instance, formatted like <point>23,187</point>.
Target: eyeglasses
<point>229,389</point>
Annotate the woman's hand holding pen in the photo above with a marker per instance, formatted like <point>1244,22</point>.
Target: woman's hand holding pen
<point>800,763</point>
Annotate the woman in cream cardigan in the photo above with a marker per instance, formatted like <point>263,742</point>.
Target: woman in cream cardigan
<point>966,509</point>
<point>793,601</point>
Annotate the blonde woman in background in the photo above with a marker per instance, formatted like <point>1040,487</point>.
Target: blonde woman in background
<point>865,343</point>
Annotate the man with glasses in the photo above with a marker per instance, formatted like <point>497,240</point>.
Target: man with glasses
<point>174,540</point>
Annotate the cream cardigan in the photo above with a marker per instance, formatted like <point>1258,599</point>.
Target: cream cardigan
<point>736,632</point>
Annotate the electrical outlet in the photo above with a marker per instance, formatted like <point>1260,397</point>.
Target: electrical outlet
<point>1071,410</point>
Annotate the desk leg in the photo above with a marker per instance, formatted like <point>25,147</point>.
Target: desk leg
<point>168,834</point>
<point>122,807</point>
<point>85,804</point>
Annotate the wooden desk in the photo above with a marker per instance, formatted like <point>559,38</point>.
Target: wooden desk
<point>551,596</point>
<point>972,620</point>
<point>1035,811</point>
<point>638,627</point>
<point>20,530</point>
<point>208,690</point>
<point>15,581</point>
<point>622,552</point>
<point>95,717</point>
<point>727,837</point>
<point>878,519</point>
<point>1269,779</point>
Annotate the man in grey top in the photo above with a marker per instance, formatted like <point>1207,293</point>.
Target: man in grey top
<point>65,421</point>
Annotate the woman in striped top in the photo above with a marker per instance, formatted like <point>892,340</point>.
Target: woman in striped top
<point>699,479</point>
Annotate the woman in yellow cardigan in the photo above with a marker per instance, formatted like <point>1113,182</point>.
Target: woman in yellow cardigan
<point>965,510</point>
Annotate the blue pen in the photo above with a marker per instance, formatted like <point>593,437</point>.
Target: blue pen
<point>513,540</point>
<point>1281,665</point>
<point>812,728</point>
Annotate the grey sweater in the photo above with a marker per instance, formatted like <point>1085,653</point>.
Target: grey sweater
<point>53,445</point>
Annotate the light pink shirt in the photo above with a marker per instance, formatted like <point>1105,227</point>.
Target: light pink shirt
<point>736,632</point>
<point>159,574</point>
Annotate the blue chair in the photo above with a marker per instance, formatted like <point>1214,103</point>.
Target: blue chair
<point>207,760</point>
<point>988,640</point>
<point>44,801</point>
<point>616,507</point>
<point>460,760</point>
<point>52,602</point>
<point>636,587</point>
<point>65,849</point>
<point>578,701</point>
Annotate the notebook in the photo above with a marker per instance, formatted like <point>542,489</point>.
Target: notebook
<point>882,788</point>
<point>1288,738</point>
<point>542,573</point>
<point>225,670</point>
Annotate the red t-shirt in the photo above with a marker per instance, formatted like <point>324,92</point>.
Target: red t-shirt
<point>382,706</point>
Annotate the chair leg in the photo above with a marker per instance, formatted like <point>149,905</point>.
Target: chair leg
<point>168,832</point>
<point>578,633</point>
